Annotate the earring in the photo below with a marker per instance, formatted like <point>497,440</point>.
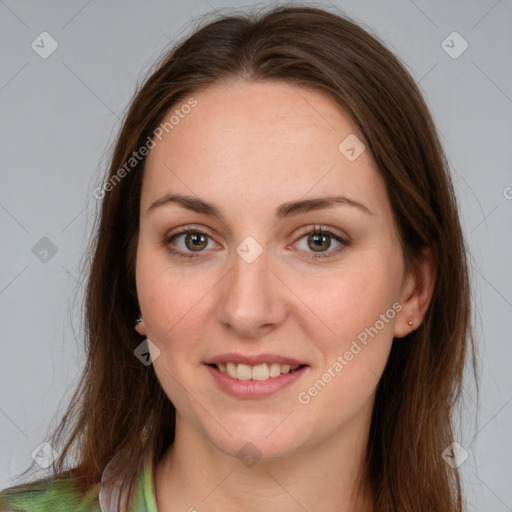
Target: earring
<point>139,325</point>
<point>410,323</point>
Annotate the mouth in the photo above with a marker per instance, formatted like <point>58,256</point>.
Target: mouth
<point>259,372</point>
<point>261,380</point>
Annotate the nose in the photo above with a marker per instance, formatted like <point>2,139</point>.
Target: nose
<point>253,300</point>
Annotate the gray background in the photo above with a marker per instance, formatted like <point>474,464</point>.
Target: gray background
<point>59,115</point>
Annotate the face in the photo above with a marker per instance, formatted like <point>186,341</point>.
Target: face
<point>262,281</point>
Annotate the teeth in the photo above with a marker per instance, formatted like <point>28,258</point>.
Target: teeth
<point>243,372</point>
<point>258,372</point>
<point>230,369</point>
<point>275,370</point>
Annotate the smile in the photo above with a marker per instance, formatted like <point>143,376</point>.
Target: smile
<point>262,371</point>
<point>259,381</point>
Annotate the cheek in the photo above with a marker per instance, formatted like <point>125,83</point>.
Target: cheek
<point>352,365</point>
<point>359,307</point>
<point>171,297</point>
<point>350,299</point>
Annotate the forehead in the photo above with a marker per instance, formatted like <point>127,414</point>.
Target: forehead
<point>260,141</point>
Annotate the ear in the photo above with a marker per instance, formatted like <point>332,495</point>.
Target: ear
<point>416,294</point>
<point>141,328</point>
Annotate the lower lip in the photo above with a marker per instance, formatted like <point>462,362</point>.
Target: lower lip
<point>255,388</point>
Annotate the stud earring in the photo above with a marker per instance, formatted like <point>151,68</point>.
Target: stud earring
<point>139,320</point>
<point>410,323</point>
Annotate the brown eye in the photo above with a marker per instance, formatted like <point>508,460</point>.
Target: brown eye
<point>196,241</point>
<point>319,242</point>
<point>187,243</point>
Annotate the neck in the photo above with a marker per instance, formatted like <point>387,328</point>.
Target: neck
<point>328,477</point>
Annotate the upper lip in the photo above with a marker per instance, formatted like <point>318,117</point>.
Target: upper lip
<point>253,360</point>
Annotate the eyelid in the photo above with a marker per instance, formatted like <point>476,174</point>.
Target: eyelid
<point>324,228</point>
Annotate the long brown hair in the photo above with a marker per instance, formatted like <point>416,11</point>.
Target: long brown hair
<point>120,407</point>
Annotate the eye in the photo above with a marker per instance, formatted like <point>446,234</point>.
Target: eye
<point>193,240</point>
<point>319,240</point>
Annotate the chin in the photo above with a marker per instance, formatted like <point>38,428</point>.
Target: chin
<point>264,439</point>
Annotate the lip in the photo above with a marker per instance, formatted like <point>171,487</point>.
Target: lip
<point>253,360</point>
<point>255,388</point>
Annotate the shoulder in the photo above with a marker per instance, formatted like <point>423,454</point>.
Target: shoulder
<point>49,495</point>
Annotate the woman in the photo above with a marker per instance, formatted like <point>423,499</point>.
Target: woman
<point>278,307</point>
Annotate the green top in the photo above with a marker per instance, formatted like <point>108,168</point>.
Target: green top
<point>59,496</point>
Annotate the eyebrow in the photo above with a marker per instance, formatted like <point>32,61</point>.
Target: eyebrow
<point>195,204</point>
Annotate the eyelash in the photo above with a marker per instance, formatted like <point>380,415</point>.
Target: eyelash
<point>317,230</point>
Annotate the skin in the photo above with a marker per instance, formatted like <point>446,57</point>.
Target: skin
<point>248,148</point>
